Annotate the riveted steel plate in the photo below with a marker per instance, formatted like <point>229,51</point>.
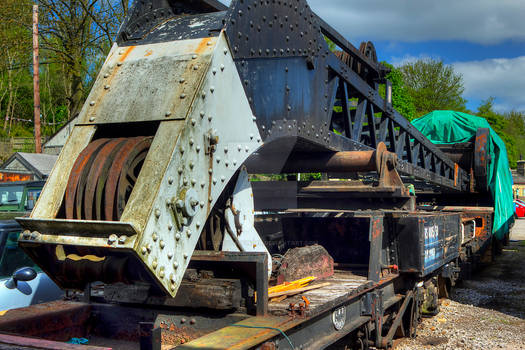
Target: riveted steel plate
<point>148,82</point>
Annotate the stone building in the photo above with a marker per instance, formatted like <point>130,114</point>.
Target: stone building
<point>518,177</point>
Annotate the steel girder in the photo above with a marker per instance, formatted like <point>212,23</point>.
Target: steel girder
<point>293,81</point>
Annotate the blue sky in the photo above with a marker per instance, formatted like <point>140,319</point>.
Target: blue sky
<point>483,39</point>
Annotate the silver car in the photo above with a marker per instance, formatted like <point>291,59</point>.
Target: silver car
<point>22,283</point>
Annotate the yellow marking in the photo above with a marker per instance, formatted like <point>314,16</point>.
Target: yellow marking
<point>61,256</point>
<point>2,313</point>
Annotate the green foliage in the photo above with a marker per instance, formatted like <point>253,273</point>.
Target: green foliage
<point>510,126</point>
<point>331,45</point>
<point>402,101</point>
<point>310,177</point>
<point>75,37</point>
<point>433,86</point>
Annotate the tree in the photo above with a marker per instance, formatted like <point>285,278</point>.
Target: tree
<point>75,37</point>
<point>402,101</point>
<point>433,86</point>
<point>15,45</point>
<point>78,34</point>
<point>510,127</point>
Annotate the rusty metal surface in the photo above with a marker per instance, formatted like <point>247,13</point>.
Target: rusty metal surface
<point>170,334</point>
<point>52,194</point>
<point>457,208</point>
<point>83,161</point>
<point>118,162</point>
<point>60,320</point>
<point>113,200</point>
<point>96,180</point>
<point>129,173</point>
<point>482,161</point>
<point>352,161</point>
<point>31,343</point>
<point>233,337</point>
<point>76,227</point>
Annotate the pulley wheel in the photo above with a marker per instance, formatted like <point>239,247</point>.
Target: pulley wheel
<point>103,177</point>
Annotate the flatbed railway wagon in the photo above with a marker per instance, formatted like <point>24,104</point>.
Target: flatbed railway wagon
<point>186,190</point>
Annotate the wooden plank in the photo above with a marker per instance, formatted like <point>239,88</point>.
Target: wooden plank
<point>214,293</point>
<point>297,291</point>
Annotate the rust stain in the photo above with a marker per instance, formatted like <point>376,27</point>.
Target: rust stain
<point>149,52</point>
<point>126,53</point>
<point>202,45</point>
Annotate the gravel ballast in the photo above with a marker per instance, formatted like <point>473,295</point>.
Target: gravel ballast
<point>485,312</point>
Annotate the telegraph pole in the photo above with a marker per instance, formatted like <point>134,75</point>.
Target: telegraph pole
<point>36,81</point>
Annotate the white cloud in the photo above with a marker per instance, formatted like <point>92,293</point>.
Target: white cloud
<point>478,21</point>
<point>399,61</point>
<point>501,78</point>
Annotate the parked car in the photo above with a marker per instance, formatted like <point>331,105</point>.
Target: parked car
<point>520,201</point>
<point>22,283</point>
<point>18,198</point>
<point>519,208</point>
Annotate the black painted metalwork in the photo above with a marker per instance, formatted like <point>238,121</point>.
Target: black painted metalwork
<point>305,97</point>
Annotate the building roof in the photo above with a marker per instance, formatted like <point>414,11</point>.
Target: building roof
<point>37,163</point>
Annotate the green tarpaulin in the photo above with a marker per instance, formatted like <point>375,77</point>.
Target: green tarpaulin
<point>444,127</point>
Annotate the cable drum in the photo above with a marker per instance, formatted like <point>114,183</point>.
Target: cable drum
<point>103,177</point>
